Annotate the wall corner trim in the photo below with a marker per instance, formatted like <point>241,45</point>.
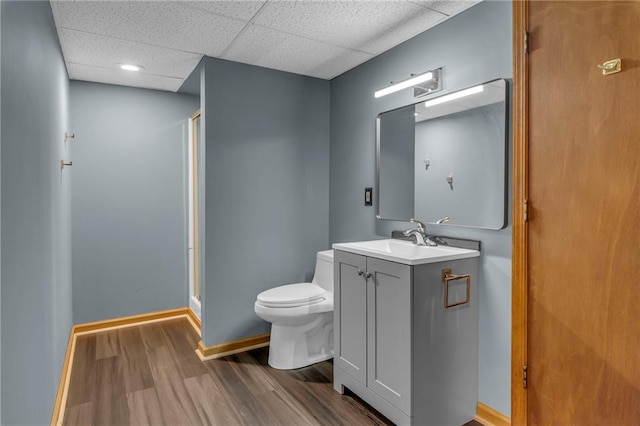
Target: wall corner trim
<point>57,416</point>
<point>490,417</point>
<point>194,321</point>
<point>229,348</point>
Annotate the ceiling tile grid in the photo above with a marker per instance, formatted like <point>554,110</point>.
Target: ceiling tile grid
<point>448,8</point>
<point>318,38</point>
<point>269,48</point>
<point>105,52</point>
<point>121,78</point>
<point>167,24</point>
<point>243,10</point>
<point>346,24</point>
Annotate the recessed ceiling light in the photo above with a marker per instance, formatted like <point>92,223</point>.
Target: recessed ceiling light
<point>131,67</point>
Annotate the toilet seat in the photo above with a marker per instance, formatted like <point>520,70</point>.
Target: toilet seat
<point>292,295</point>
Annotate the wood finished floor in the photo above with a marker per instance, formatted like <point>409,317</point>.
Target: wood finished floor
<point>151,375</point>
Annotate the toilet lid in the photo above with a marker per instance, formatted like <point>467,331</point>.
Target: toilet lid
<point>292,295</point>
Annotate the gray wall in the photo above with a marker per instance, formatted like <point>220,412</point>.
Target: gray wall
<point>1,8</point>
<point>267,188</point>
<point>129,200</point>
<point>35,241</point>
<point>473,47</point>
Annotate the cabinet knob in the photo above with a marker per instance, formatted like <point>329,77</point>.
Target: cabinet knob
<point>360,272</point>
<point>369,275</point>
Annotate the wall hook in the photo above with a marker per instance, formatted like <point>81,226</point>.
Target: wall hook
<point>450,180</point>
<point>62,164</point>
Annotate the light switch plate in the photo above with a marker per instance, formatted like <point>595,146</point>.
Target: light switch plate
<point>368,196</point>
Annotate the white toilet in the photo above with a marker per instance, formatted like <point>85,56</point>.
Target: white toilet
<point>301,317</point>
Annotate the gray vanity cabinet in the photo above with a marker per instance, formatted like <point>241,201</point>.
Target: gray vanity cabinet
<point>396,344</point>
<point>350,309</point>
<point>389,331</point>
<point>373,343</point>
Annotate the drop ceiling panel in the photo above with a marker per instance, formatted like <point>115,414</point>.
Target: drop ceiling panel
<point>277,50</point>
<point>355,25</point>
<point>319,38</point>
<point>167,24</point>
<point>243,10</point>
<point>403,31</point>
<point>447,7</point>
<point>123,78</point>
<point>90,49</point>
<point>338,64</point>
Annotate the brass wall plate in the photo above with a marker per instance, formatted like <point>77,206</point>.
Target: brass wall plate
<point>446,273</point>
<point>611,67</point>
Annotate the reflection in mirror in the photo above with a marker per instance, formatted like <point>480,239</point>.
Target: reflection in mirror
<point>445,157</point>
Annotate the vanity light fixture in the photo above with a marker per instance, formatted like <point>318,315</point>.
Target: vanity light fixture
<point>131,67</point>
<point>427,82</point>
<point>456,95</point>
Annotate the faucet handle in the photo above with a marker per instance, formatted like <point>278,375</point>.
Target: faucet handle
<point>421,226</point>
<point>443,220</point>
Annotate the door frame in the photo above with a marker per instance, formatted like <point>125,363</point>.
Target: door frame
<point>194,141</point>
<point>519,271</point>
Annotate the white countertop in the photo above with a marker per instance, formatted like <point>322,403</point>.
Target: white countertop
<point>405,251</point>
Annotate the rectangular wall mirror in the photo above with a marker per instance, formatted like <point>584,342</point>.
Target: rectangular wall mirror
<point>446,156</point>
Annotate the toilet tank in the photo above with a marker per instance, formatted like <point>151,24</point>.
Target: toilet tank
<point>324,270</point>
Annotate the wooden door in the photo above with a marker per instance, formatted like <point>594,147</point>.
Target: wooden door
<point>350,313</point>
<point>583,309</point>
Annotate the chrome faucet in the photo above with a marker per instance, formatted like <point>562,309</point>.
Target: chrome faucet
<point>443,220</point>
<point>422,239</point>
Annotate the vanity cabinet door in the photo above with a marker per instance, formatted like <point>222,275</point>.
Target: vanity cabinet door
<point>389,332</point>
<point>350,312</point>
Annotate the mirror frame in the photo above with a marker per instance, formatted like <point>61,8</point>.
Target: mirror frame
<point>507,105</point>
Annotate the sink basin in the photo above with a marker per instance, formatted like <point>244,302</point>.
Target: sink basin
<point>405,251</point>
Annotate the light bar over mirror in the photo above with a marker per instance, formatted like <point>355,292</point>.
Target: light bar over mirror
<point>423,84</point>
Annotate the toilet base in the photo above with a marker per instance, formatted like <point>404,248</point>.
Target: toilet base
<point>297,346</point>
